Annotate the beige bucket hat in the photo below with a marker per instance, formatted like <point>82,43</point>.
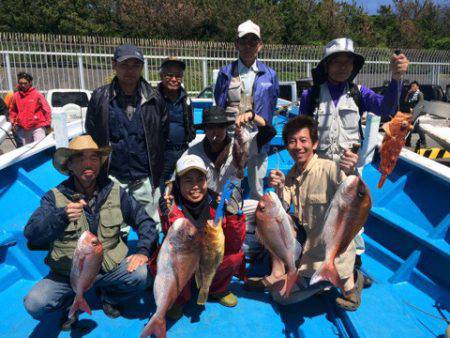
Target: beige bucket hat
<point>76,146</point>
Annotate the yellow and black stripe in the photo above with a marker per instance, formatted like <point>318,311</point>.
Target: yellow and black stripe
<point>434,153</point>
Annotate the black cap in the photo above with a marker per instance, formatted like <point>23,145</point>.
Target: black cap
<point>125,52</point>
<point>173,60</point>
<point>215,115</point>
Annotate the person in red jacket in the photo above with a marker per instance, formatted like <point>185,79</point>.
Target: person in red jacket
<point>30,113</point>
<point>191,198</point>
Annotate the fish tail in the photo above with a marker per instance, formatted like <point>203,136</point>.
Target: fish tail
<point>381,181</point>
<point>290,282</point>
<point>327,272</point>
<point>156,326</point>
<point>202,296</point>
<point>79,303</point>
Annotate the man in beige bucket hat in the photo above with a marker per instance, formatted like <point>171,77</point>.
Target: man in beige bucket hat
<point>80,203</point>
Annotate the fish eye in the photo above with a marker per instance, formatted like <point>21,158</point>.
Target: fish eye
<point>360,193</point>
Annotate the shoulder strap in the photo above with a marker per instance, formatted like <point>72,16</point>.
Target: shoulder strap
<point>315,96</point>
<point>355,94</point>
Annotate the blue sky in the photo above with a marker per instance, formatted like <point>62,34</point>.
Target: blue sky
<point>371,6</point>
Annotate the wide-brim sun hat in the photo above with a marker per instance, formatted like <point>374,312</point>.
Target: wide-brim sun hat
<point>340,45</point>
<point>76,146</point>
<point>189,162</point>
<point>215,115</point>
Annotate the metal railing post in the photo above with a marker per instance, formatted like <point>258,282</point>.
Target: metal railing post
<point>81,72</point>
<point>308,69</point>
<point>146,69</point>
<point>8,71</point>
<point>205,72</point>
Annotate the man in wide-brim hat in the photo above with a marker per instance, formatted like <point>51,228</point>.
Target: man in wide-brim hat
<point>84,203</point>
<point>337,104</point>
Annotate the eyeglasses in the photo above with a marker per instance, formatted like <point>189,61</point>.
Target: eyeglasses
<point>177,76</point>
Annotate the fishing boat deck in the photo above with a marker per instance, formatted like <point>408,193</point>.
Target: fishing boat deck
<point>407,241</point>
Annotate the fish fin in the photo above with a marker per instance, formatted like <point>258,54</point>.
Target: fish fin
<point>79,303</point>
<point>327,272</point>
<point>156,326</point>
<point>298,250</point>
<point>381,181</point>
<point>202,296</point>
<point>198,280</point>
<point>291,279</point>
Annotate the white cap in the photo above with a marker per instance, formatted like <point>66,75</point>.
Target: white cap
<point>248,27</point>
<point>338,46</point>
<point>189,162</point>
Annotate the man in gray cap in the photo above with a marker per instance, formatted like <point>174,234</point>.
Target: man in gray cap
<point>248,87</point>
<point>131,117</point>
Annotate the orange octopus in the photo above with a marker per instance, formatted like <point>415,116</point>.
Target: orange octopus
<point>393,142</point>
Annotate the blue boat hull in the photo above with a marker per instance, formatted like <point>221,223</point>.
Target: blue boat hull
<point>407,256</point>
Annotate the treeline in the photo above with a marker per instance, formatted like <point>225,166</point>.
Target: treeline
<point>404,23</point>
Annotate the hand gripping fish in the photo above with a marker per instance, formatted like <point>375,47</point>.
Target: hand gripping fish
<point>345,216</point>
<point>86,264</point>
<point>177,262</point>
<point>241,149</point>
<point>275,230</point>
<point>393,142</point>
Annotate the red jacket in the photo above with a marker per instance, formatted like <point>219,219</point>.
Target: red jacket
<point>30,110</point>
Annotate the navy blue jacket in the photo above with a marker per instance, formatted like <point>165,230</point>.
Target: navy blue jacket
<point>48,222</point>
<point>265,89</point>
<point>154,120</point>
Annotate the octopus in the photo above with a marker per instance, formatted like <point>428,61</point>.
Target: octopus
<point>396,131</point>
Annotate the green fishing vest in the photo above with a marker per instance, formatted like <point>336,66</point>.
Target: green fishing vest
<point>59,258</point>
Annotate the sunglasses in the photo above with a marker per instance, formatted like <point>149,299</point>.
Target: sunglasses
<point>168,76</point>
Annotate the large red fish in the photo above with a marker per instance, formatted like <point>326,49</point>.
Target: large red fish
<point>177,262</point>
<point>345,216</point>
<point>86,264</point>
<point>275,230</point>
<point>393,142</point>
<point>241,149</point>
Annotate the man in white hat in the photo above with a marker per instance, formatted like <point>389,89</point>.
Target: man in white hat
<point>248,87</point>
<point>80,203</point>
<point>337,104</point>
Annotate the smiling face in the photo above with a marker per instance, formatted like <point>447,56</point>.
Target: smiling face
<point>340,67</point>
<point>193,186</point>
<point>171,77</point>
<point>85,166</point>
<point>301,147</point>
